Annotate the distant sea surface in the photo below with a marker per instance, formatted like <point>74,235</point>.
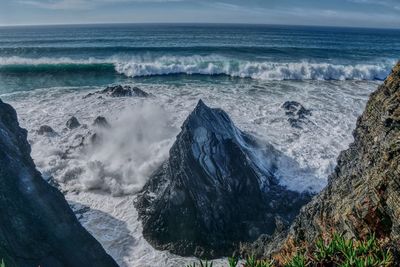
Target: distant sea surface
<point>259,52</point>
<point>247,70</point>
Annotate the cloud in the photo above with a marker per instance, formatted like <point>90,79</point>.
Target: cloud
<point>81,4</point>
<point>394,4</point>
<point>62,4</point>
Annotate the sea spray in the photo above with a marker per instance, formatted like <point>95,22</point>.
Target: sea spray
<point>136,144</point>
<point>150,65</point>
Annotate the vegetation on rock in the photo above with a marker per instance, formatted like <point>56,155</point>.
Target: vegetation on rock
<point>334,250</point>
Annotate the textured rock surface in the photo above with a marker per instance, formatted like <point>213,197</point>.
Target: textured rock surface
<point>216,189</point>
<point>121,91</point>
<point>37,227</point>
<point>363,194</point>
<point>101,122</point>
<point>297,114</point>
<point>72,123</point>
<point>45,130</point>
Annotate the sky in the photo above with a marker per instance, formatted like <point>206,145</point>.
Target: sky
<point>356,13</point>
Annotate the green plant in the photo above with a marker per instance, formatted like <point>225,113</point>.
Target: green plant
<point>233,261</point>
<point>2,264</point>
<point>335,251</point>
<point>201,264</point>
<point>299,260</point>
<point>351,253</point>
<point>206,264</point>
<point>251,261</point>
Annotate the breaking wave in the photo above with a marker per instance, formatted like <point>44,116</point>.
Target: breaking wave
<point>141,66</point>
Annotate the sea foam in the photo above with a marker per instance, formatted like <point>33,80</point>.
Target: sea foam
<point>150,65</point>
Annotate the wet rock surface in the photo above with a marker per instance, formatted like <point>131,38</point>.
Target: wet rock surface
<point>216,189</point>
<point>297,114</point>
<point>45,130</point>
<point>101,122</point>
<point>72,123</point>
<point>37,227</point>
<point>121,91</point>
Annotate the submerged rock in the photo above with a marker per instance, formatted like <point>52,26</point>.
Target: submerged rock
<point>37,227</point>
<point>216,189</point>
<point>101,122</point>
<point>296,113</point>
<point>72,123</point>
<point>363,193</point>
<point>121,91</point>
<point>45,130</point>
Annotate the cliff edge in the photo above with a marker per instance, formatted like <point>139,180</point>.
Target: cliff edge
<point>37,227</point>
<point>363,194</point>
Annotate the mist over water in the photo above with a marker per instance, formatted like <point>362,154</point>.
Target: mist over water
<point>129,151</point>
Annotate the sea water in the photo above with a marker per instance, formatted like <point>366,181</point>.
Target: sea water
<point>247,70</point>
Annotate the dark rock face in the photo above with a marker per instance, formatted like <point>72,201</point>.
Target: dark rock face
<point>37,227</point>
<point>101,122</point>
<point>216,189</point>
<point>121,91</point>
<point>46,130</point>
<point>297,114</point>
<point>72,123</point>
<point>363,193</point>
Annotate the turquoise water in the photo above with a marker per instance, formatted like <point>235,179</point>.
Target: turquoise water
<point>48,56</point>
<point>248,70</point>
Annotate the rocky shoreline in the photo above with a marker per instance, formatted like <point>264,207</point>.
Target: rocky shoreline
<point>217,194</point>
<point>363,194</point>
<point>217,189</point>
<point>37,227</point>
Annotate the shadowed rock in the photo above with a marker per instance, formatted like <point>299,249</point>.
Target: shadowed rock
<point>121,91</point>
<point>296,113</point>
<point>72,123</point>
<point>37,227</point>
<point>45,130</point>
<point>101,122</point>
<point>216,189</point>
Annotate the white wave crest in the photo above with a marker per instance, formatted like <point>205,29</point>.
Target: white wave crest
<point>15,60</point>
<point>251,69</point>
<point>148,65</point>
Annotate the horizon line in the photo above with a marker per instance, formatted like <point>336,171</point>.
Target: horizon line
<point>195,23</point>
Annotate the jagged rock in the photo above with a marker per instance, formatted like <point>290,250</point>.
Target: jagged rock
<point>95,139</point>
<point>120,91</point>
<point>363,193</point>
<point>72,123</point>
<point>296,113</point>
<point>45,130</point>
<point>101,122</point>
<point>53,182</point>
<point>216,189</point>
<point>37,227</point>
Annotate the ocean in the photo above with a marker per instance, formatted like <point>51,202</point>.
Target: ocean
<point>247,70</point>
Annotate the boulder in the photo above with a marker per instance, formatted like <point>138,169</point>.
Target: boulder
<point>121,91</point>
<point>72,123</point>
<point>101,122</point>
<point>45,130</point>
<point>37,227</point>
<point>216,190</point>
<point>296,113</point>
